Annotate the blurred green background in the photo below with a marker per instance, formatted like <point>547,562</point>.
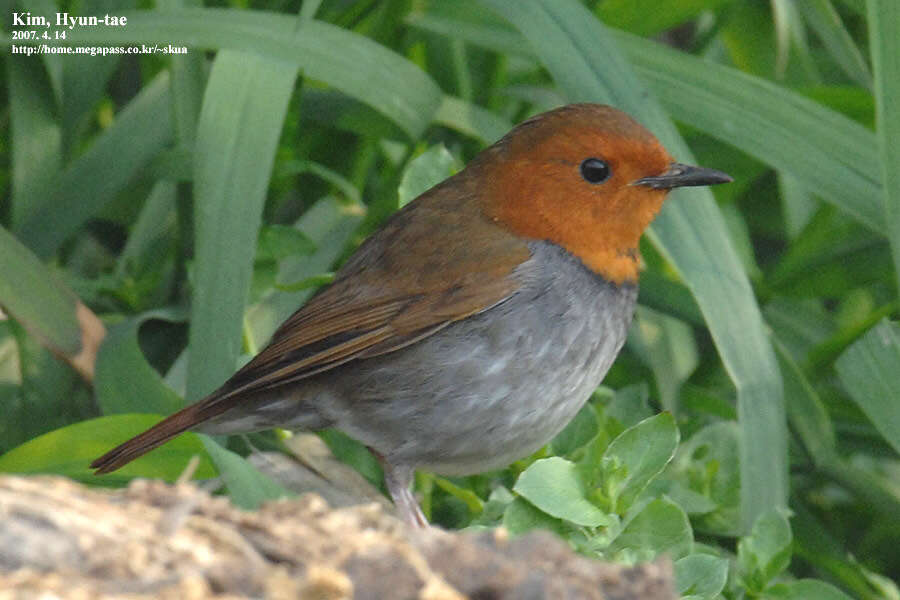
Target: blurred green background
<point>162,213</point>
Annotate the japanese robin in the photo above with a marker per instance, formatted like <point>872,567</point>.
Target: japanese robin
<point>474,324</point>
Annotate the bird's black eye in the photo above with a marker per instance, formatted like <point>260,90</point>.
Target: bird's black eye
<point>595,170</point>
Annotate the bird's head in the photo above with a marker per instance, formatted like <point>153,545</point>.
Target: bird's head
<point>587,177</point>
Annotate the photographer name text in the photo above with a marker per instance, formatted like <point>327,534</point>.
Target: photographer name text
<point>62,19</point>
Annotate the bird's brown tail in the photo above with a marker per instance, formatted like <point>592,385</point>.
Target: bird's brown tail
<point>157,435</point>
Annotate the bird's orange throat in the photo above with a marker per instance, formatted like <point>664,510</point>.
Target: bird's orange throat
<point>603,231</point>
<point>618,267</point>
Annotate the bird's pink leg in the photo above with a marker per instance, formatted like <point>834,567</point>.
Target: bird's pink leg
<point>399,481</point>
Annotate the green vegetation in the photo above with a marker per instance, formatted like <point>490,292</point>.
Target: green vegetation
<point>184,205</point>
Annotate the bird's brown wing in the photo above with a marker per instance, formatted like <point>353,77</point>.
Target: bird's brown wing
<point>325,334</point>
<point>431,265</point>
<point>435,262</point>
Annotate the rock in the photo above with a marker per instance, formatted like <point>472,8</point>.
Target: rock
<point>152,540</point>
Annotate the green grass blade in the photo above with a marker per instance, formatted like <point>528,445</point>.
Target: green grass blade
<point>824,150</point>
<point>32,295</point>
<point>237,135</point>
<point>870,371</point>
<point>884,31</point>
<point>234,152</point>
<point>248,487</point>
<point>653,17</point>
<point>826,22</point>
<point>471,120</point>
<point>587,65</point>
<point>188,81</point>
<point>424,172</point>
<point>331,226</point>
<point>809,418</point>
<point>125,381</point>
<point>88,184</point>
<point>46,308</point>
<point>36,135</point>
<point>347,61</point>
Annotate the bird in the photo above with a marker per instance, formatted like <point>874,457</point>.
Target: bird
<point>472,326</point>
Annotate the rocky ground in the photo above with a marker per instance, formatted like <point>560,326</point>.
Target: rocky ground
<point>59,539</point>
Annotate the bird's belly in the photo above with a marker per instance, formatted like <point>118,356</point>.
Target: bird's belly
<point>487,390</point>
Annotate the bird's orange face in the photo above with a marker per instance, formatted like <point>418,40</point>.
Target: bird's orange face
<point>573,177</point>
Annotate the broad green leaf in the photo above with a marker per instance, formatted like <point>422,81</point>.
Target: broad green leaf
<point>69,451</point>
<point>636,457</point>
<point>701,575</point>
<point>554,486</point>
<point>766,551</point>
<point>884,32</point>
<point>661,527</point>
<point>586,64</point>
<point>803,589</point>
<point>521,517</point>
<point>870,371</point>
<point>424,172</point>
<point>347,61</point>
<point>46,308</point>
<point>234,151</point>
<point>248,487</point>
<point>88,184</point>
<point>125,381</point>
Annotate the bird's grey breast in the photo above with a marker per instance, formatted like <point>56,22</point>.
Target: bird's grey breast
<point>496,386</point>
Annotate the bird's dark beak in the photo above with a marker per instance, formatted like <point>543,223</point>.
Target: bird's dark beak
<point>679,175</point>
